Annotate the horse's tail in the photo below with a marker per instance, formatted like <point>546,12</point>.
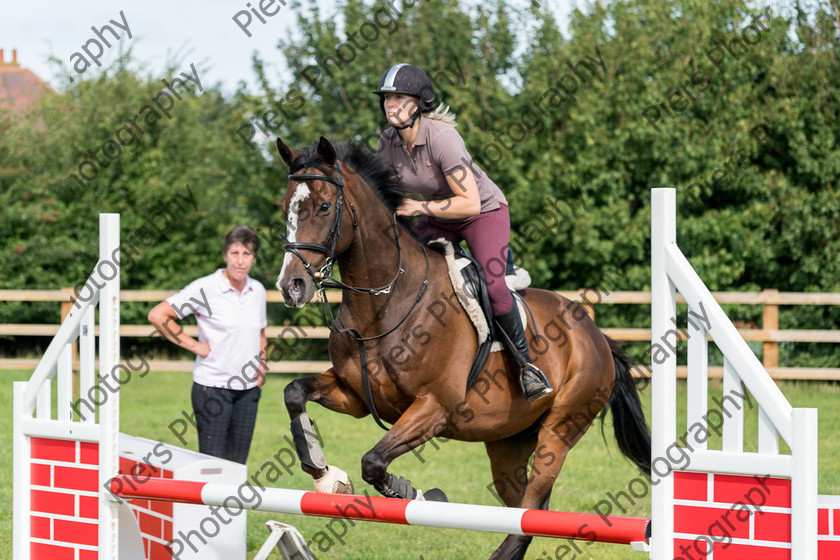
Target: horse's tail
<point>631,430</point>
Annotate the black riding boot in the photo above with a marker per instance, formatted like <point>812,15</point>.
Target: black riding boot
<point>509,267</point>
<point>532,380</point>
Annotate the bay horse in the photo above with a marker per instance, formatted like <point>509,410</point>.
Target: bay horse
<point>396,314</point>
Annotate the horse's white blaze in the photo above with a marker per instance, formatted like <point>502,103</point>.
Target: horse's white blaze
<point>301,194</point>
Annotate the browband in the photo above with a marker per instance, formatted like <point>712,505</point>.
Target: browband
<point>317,177</point>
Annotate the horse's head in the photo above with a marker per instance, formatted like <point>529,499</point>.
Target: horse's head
<point>313,206</point>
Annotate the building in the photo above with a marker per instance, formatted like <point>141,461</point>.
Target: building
<point>19,87</point>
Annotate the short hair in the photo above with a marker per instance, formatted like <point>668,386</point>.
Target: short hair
<point>245,235</point>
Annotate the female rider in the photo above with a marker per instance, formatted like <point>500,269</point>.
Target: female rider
<point>459,201</point>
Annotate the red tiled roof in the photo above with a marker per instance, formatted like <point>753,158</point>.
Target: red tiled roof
<point>19,87</point>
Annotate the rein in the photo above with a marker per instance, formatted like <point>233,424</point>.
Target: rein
<point>323,278</point>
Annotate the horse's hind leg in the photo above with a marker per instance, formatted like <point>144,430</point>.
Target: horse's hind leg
<point>327,390</point>
<point>560,429</point>
<point>514,547</point>
<point>509,465</point>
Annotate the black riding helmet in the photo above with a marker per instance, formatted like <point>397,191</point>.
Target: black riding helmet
<point>408,80</point>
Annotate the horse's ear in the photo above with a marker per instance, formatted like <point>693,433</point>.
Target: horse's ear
<point>286,152</point>
<point>326,152</point>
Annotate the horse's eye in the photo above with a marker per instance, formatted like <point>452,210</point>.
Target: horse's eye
<point>324,208</point>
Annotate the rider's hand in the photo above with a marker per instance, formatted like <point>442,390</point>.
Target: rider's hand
<point>411,207</point>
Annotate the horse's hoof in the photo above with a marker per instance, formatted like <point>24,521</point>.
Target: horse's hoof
<point>335,481</point>
<point>435,495</point>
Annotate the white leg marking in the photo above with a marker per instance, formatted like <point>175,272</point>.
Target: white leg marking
<point>327,483</point>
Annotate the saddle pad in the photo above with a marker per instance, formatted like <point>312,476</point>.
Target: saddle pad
<point>469,301</point>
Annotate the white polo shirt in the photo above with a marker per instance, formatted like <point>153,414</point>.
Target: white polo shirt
<point>230,322</point>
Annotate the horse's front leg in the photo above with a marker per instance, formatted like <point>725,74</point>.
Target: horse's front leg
<point>423,420</point>
<point>327,390</point>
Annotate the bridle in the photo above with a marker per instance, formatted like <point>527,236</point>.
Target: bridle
<point>323,278</point>
<point>296,247</point>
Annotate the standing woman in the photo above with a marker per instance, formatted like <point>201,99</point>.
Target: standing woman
<point>459,201</point>
<point>229,368</point>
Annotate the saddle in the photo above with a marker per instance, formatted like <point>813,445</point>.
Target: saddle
<point>470,285</point>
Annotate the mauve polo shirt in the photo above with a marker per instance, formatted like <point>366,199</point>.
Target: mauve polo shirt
<point>438,151</point>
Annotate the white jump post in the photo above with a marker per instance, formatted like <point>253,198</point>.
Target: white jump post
<point>63,464</point>
<point>109,358</point>
<point>726,503</point>
<point>53,435</point>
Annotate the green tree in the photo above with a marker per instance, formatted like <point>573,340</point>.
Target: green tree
<point>588,117</point>
<point>466,49</point>
<point>49,220</point>
<point>761,112</point>
<point>656,95</point>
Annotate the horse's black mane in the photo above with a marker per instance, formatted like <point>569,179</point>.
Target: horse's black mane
<point>381,177</point>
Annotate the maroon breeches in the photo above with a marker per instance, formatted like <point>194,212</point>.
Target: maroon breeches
<point>487,235</point>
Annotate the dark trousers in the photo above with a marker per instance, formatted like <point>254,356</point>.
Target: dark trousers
<point>225,419</point>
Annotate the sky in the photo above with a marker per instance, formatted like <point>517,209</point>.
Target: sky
<point>180,31</point>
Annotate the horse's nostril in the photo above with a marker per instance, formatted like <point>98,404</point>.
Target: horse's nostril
<point>295,286</point>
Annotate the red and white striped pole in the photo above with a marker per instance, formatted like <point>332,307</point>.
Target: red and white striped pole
<point>494,519</point>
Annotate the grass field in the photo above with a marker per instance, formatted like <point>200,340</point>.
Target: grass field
<point>592,472</point>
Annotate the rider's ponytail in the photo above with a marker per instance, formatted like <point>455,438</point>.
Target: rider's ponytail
<point>443,114</point>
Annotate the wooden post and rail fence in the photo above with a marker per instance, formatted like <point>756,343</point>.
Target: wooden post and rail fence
<point>768,334</point>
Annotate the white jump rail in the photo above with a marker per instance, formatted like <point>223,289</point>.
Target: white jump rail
<point>447,515</point>
<point>698,501</point>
